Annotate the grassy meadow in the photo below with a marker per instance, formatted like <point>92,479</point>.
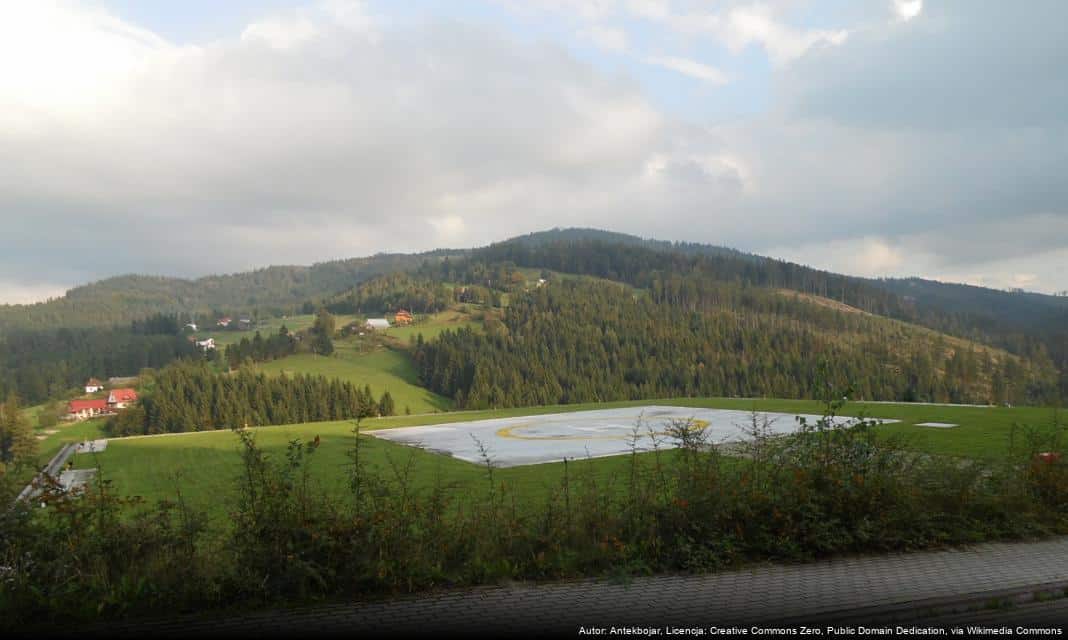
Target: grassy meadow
<point>384,368</point>
<point>379,360</point>
<point>431,326</point>
<point>266,326</point>
<point>206,465</point>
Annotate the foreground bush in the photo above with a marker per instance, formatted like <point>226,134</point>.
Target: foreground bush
<point>822,491</point>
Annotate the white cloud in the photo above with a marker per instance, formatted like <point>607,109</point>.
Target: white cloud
<point>607,38</point>
<point>449,227</point>
<point>867,256</point>
<point>735,24</point>
<point>281,32</point>
<point>339,134</point>
<point>908,9</point>
<point>186,160</point>
<point>756,24</point>
<point>15,292</point>
<point>691,68</point>
<point>742,25</point>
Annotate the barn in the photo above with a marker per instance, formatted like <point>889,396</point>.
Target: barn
<point>376,324</point>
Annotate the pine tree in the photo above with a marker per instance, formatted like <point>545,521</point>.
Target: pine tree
<point>17,444</point>
<point>385,405</point>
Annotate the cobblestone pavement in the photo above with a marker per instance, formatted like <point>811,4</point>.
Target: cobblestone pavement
<point>1051,613</point>
<point>890,589</point>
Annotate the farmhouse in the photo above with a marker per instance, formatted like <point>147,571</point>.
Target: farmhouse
<point>206,344</point>
<point>92,385</point>
<point>402,317</point>
<point>121,398</point>
<point>82,409</point>
<point>224,322</point>
<point>376,324</point>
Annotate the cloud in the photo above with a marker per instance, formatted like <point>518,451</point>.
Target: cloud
<point>908,9</point>
<point>740,25</point>
<point>756,24</point>
<point>607,38</point>
<point>280,33</point>
<point>20,292</point>
<point>932,146</point>
<point>299,140</point>
<point>691,68</point>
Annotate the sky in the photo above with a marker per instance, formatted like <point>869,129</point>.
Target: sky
<point>870,137</point>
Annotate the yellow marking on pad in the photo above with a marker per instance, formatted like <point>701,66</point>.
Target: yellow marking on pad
<point>507,432</point>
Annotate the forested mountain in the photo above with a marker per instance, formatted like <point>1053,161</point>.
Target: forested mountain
<point>574,341</point>
<point>392,292</point>
<point>1014,320</point>
<point>1027,324</point>
<point>1011,319</point>
<point>642,318</point>
<point>271,291</point>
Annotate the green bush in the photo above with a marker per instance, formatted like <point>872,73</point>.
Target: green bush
<point>689,506</point>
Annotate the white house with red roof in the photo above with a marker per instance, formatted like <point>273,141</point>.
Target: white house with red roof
<point>92,385</point>
<point>121,398</point>
<point>82,409</point>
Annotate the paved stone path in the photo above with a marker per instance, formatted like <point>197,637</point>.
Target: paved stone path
<point>51,470</point>
<point>889,589</point>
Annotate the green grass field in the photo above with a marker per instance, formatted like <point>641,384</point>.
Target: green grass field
<point>67,432</point>
<point>266,327</point>
<point>381,367</point>
<point>432,326</point>
<point>206,465</point>
<point>380,360</point>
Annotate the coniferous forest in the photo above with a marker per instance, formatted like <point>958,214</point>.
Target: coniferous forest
<point>189,396</point>
<point>617,318</point>
<point>37,365</point>
<point>574,341</point>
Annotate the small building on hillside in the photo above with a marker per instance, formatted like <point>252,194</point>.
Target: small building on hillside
<point>122,382</point>
<point>121,398</point>
<point>224,322</point>
<point>403,317</point>
<point>92,385</point>
<point>192,326</point>
<point>244,323</point>
<point>83,409</point>
<point>206,345</point>
<point>376,324</point>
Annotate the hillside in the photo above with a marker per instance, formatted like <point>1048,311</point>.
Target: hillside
<point>273,290</point>
<point>760,325</point>
<point>574,341</point>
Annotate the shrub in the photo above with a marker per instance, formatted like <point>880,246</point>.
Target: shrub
<point>690,506</point>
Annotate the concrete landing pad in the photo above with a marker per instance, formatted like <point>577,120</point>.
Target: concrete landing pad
<point>75,478</point>
<point>511,442</point>
<point>92,446</point>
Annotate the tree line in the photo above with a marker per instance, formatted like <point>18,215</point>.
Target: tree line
<point>42,364</point>
<point>190,396</point>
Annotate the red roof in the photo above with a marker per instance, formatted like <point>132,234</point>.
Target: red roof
<point>122,395</point>
<point>77,406</point>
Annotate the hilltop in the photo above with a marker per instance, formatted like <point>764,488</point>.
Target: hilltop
<point>760,325</point>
